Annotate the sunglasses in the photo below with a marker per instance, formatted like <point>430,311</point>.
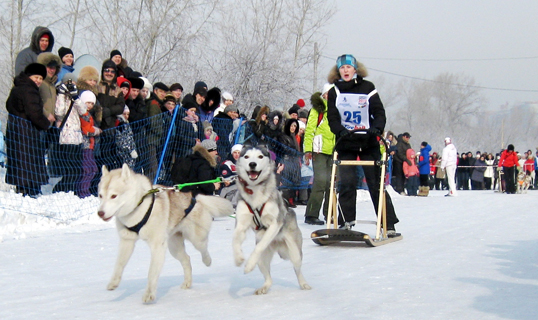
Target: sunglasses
<point>110,71</point>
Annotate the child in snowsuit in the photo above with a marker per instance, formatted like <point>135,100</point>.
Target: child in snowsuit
<point>411,173</point>
<point>89,132</point>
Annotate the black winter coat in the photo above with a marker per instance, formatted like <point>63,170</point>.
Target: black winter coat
<point>25,149</point>
<point>377,119</point>
<point>199,166</point>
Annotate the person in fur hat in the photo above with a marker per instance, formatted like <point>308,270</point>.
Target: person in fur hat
<point>88,78</point>
<point>41,41</point>
<point>26,168</point>
<point>318,146</point>
<point>363,110</point>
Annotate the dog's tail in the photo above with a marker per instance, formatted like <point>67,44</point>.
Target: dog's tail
<point>215,205</point>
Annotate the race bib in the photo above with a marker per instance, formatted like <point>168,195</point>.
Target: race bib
<point>353,110</point>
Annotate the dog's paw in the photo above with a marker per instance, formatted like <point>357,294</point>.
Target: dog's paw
<point>186,284</point>
<point>113,284</point>
<point>305,286</point>
<point>251,264</point>
<point>239,259</point>
<point>262,290</point>
<point>149,296</point>
<point>207,260</point>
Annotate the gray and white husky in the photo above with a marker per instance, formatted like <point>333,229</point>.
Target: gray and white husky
<point>262,208</point>
<point>161,218</point>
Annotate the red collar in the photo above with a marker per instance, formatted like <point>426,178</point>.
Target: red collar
<point>245,185</point>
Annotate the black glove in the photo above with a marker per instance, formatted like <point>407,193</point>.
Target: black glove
<point>72,90</point>
<point>343,133</point>
<point>373,131</point>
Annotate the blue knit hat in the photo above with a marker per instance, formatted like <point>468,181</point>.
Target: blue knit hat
<point>346,59</point>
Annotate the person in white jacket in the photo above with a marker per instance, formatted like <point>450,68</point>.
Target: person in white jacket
<point>449,163</point>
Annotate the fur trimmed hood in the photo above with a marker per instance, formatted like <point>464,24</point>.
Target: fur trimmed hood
<point>271,116</point>
<point>334,75</point>
<point>205,154</point>
<point>317,102</point>
<point>47,57</point>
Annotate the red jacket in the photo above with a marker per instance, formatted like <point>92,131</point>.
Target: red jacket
<point>508,159</point>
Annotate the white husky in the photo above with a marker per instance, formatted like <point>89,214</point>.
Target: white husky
<point>262,208</point>
<point>158,218</point>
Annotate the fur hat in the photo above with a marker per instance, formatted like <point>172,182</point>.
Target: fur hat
<point>169,97</point>
<point>448,140</point>
<point>88,73</point>
<point>136,83</point>
<point>64,51</point>
<point>87,96</point>
<point>510,147</point>
<point>302,114</point>
<point>148,86</point>
<point>36,69</point>
<point>209,145</point>
<point>109,64</point>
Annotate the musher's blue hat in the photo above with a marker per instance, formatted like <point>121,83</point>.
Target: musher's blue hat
<point>346,59</point>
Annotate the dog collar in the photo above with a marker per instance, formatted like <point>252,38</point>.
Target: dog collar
<point>245,185</point>
<point>136,228</point>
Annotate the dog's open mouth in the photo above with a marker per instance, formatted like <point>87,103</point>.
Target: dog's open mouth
<point>253,175</point>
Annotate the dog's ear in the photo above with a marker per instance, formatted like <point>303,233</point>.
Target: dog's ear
<point>104,171</point>
<point>263,148</point>
<point>125,171</point>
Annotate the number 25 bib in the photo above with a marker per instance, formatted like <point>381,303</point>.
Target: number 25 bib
<point>353,108</point>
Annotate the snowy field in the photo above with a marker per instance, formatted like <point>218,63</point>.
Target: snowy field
<point>470,257</point>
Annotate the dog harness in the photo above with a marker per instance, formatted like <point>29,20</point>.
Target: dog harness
<point>257,216</point>
<point>136,228</point>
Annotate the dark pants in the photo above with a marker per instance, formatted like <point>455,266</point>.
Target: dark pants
<point>424,180</point>
<point>412,185</point>
<point>348,190</point>
<point>399,177</point>
<point>510,178</point>
<point>322,164</point>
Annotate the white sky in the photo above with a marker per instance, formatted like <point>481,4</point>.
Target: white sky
<point>400,37</point>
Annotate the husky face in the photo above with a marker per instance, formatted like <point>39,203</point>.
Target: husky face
<point>254,165</point>
<point>114,193</point>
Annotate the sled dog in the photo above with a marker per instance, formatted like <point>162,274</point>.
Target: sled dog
<point>262,208</point>
<point>159,218</point>
<point>523,182</point>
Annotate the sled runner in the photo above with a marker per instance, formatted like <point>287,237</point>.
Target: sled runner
<point>332,234</point>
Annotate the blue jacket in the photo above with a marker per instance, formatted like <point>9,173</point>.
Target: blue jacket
<point>424,160</point>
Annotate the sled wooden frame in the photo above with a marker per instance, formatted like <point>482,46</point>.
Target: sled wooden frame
<point>334,235</point>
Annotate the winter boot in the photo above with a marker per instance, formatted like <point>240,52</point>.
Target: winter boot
<point>425,191</point>
<point>420,191</point>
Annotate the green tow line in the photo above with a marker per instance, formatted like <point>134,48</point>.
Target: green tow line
<point>186,184</point>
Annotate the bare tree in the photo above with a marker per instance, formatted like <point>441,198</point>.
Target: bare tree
<point>265,51</point>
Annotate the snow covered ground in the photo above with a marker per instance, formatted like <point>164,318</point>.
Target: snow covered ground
<point>470,257</point>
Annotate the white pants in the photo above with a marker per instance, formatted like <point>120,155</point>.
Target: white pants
<point>451,174</point>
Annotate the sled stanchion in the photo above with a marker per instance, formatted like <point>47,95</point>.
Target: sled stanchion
<point>331,215</point>
<point>331,234</point>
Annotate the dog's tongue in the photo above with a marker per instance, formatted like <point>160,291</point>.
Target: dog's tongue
<point>253,175</point>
